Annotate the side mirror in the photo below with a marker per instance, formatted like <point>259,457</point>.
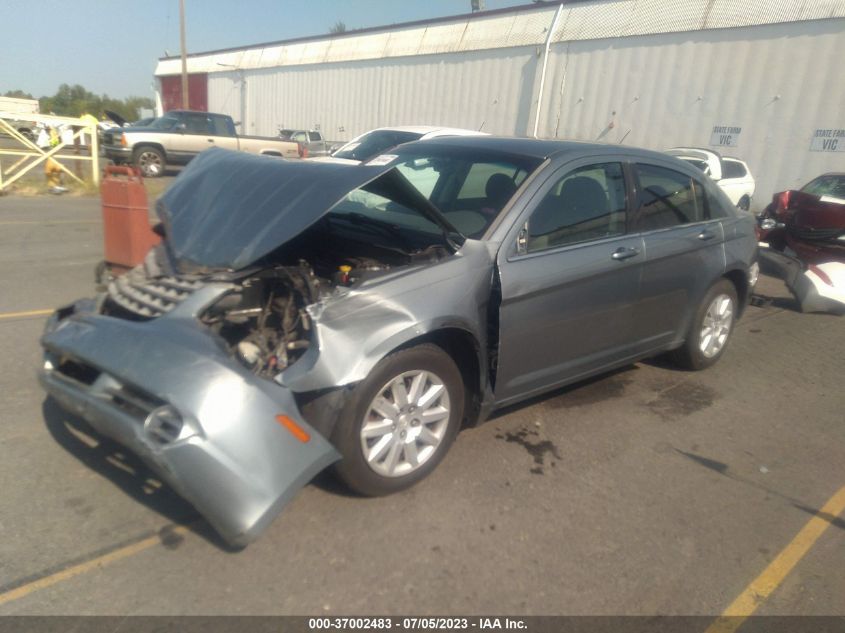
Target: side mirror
<point>181,127</point>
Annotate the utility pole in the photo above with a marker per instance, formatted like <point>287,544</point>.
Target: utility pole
<point>184,54</point>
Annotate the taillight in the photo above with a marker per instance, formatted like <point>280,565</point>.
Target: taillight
<point>303,150</point>
<point>783,202</point>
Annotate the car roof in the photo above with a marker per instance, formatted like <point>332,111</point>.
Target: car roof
<point>539,148</point>
<point>180,111</point>
<point>422,130</point>
<point>697,153</point>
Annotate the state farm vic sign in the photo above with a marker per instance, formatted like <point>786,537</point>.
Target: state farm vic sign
<point>828,140</point>
<point>725,135</point>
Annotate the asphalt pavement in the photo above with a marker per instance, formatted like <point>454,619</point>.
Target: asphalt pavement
<point>647,491</point>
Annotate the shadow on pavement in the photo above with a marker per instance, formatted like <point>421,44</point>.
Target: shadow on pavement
<point>127,472</point>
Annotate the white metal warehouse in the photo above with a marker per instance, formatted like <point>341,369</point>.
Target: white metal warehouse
<point>757,79</point>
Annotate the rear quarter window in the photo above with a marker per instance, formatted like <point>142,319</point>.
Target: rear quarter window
<point>733,169</point>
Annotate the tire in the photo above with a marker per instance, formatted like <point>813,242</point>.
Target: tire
<point>701,349</point>
<point>744,203</point>
<point>150,161</point>
<point>394,437</point>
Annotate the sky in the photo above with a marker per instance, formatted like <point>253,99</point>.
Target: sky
<point>112,46</point>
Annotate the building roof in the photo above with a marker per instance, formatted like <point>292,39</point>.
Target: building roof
<point>526,25</point>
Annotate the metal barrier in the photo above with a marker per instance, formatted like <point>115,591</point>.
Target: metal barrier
<point>32,155</point>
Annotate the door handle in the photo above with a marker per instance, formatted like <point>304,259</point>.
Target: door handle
<point>211,140</point>
<point>624,253</point>
<point>706,234</point>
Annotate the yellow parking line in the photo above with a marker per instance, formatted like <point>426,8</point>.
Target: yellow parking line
<point>770,579</point>
<point>90,565</point>
<point>22,315</point>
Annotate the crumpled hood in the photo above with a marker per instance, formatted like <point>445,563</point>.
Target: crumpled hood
<point>114,116</point>
<point>228,209</point>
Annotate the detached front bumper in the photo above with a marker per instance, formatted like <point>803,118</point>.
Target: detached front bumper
<point>167,391</point>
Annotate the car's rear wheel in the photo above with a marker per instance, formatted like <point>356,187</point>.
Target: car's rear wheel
<point>711,328</point>
<point>150,161</point>
<point>400,421</point>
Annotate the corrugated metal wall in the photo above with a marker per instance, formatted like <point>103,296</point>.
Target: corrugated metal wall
<point>632,71</point>
<point>777,82</point>
<point>489,90</point>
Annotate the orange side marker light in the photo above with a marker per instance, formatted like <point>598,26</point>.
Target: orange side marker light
<point>293,428</point>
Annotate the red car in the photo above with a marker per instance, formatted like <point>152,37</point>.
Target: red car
<point>802,241</point>
<point>809,221</point>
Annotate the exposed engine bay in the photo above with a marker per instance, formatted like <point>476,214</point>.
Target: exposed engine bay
<point>263,320</point>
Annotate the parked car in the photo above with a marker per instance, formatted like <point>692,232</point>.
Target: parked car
<point>23,124</point>
<point>374,142</point>
<point>311,141</point>
<point>284,325</point>
<point>802,239</point>
<point>732,174</point>
<point>180,135</point>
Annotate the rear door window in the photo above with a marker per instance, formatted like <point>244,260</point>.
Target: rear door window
<point>668,198</point>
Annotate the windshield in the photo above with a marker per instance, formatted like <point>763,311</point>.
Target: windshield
<point>470,187</point>
<point>832,185</point>
<point>374,143</point>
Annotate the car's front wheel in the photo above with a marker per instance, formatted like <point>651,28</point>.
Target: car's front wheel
<point>150,161</point>
<point>711,328</point>
<point>400,421</point>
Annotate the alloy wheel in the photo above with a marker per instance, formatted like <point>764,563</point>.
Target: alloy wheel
<point>716,325</point>
<point>405,423</point>
<point>150,164</point>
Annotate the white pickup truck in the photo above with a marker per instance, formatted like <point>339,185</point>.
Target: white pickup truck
<point>312,140</point>
<point>179,135</point>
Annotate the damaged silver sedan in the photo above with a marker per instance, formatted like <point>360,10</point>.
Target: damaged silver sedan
<point>299,315</point>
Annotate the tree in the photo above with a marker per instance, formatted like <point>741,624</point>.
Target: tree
<point>18,94</point>
<point>76,101</point>
<point>338,27</point>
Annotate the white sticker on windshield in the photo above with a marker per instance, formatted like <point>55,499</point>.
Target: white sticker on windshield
<point>832,199</point>
<point>384,159</point>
